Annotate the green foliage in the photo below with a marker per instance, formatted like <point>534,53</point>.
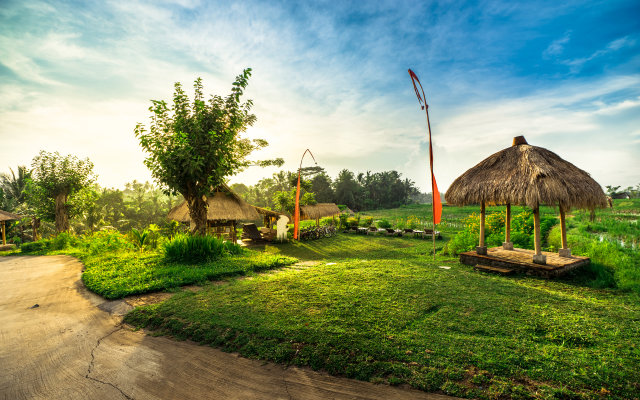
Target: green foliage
<point>116,275</point>
<point>352,222</point>
<point>368,221</point>
<point>384,224</point>
<point>105,241</point>
<point>140,238</point>
<point>60,187</point>
<point>521,231</point>
<point>38,246</point>
<point>194,249</point>
<point>193,147</point>
<point>12,189</point>
<point>344,220</point>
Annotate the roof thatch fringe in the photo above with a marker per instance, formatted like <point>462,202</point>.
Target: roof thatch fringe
<point>527,175</point>
<point>271,213</point>
<point>7,216</point>
<point>224,204</point>
<point>319,210</point>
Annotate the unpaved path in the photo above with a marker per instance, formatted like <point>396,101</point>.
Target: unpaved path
<point>73,346</point>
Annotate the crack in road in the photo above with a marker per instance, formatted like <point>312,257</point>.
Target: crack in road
<point>286,386</point>
<point>93,358</point>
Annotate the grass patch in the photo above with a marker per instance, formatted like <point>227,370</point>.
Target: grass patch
<point>386,313</point>
<point>117,275</point>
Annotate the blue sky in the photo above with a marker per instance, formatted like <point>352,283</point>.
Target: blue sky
<point>75,77</point>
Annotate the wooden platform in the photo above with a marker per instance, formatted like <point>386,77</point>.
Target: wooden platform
<point>522,261</point>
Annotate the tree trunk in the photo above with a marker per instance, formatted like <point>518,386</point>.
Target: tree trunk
<point>62,218</point>
<point>198,213</point>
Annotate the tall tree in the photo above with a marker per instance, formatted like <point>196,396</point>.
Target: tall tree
<point>193,147</point>
<point>347,189</point>
<point>60,187</point>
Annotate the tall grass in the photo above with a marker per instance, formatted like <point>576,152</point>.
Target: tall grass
<point>195,249</point>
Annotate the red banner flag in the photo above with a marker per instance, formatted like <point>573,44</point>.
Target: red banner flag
<point>436,202</point>
<point>296,215</point>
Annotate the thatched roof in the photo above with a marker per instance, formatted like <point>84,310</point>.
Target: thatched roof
<point>224,204</point>
<point>318,210</point>
<point>271,213</point>
<point>526,175</point>
<point>7,216</point>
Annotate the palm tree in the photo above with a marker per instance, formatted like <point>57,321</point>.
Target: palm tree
<point>14,186</point>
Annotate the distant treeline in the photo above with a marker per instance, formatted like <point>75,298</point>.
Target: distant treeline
<point>364,191</point>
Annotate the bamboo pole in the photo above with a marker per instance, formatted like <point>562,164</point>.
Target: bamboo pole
<point>481,249</point>
<point>4,239</point>
<point>565,251</point>
<point>538,257</point>
<point>482,224</point>
<point>507,234</point>
<point>536,230</point>
<point>563,228</point>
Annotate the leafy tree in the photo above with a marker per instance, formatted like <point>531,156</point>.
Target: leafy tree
<point>193,147</point>
<point>60,187</point>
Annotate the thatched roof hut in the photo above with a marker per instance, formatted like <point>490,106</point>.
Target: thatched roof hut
<point>526,175</point>
<point>4,217</point>
<point>7,216</point>
<point>223,205</point>
<point>319,210</point>
<point>270,216</point>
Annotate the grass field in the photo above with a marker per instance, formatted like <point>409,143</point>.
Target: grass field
<point>380,309</point>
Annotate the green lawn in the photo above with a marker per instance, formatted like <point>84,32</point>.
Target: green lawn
<point>385,312</point>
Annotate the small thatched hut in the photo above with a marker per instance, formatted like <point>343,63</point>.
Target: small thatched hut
<point>526,175</point>
<point>270,217</point>
<point>318,211</point>
<point>4,217</point>
<point>224,208</point>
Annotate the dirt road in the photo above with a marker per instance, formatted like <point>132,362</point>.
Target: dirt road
<point>59,341</point>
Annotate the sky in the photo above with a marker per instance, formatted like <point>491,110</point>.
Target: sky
<point>331,76</point>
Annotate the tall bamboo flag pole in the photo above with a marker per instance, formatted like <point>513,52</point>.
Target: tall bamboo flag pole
<point>436,204</point>
<point>296,217</point>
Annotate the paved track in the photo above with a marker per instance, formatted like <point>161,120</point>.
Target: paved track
<point>73,346</point>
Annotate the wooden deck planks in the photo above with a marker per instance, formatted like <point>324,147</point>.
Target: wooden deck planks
<point>521,259</point>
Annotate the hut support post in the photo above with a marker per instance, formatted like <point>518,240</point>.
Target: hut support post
<point>565,251</point>
<point>538,257</point>
<point>4,238</point>
<point>481,249</point>
<point>507,245</point>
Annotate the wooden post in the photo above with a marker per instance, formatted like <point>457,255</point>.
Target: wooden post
<point>507,245</point>
<point>317,221</point>
<point>538,257</point>
<point>4,239</point>
<point>565,251</point>
<point>481,249</point>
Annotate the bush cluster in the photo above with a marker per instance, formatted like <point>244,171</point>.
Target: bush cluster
<point>194,249</point>
<point>494,225</point>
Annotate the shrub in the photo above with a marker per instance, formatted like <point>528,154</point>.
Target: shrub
<point>140,238</point>
<point>384,224</point>
<point>461,242</point>
<point>105,241</point>
<point>63,241</point>
<point>343,221</point>
<point>352,222</point>
<point>39,245</point>
<point>368,221</point>
<point>195,249</point>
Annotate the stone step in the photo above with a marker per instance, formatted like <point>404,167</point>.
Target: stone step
<point>495,270</point>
